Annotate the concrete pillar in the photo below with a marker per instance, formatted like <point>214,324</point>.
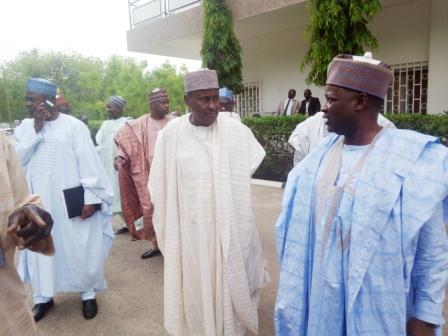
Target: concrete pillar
<point>438,58</point>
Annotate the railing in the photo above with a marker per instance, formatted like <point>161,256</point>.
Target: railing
<point>145,10</point>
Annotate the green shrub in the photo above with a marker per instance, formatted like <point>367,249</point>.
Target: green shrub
<point>273,134</point>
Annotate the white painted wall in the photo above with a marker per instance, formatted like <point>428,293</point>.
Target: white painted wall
<point>274,60</point>
<point>403,32</point>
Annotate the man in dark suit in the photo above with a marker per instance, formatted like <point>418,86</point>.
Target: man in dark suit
<point>310,105</point>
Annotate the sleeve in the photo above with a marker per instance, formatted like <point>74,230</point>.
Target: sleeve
<point>157,183</point>
<point>93,177</point>
<point>26,141</point>
<point>257,152</point>
<point>99,138</point>
<point>300,141</point>
<point>22,196</point>
<point>120,148</point>
<point>318,105</point>
<point>279,109</point>
<point>430,271</point>
<point>302,107</point>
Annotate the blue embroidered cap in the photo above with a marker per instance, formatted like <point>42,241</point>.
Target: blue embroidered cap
<point>41,86</point>
<point>226,93</point>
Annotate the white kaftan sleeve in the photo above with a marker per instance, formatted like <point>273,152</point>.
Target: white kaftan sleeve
<point>257,152</point>
<point>26,141</point>
<point>157,184</point>
<point>99,138</point>
<point>300,140</point>
<point>430,271</point>
<point>97,188</point>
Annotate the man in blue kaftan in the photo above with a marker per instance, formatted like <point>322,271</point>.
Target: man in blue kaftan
<point>361,237</point>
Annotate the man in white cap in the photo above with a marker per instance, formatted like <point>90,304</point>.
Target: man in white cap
<point>107,149</point>
<point>361,236</point>
<point>136,141</point>
<point>59,158</point>
<point>200,188</point>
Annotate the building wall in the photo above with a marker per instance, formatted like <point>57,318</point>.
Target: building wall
<point>438,58</point>
<point>403,32</point>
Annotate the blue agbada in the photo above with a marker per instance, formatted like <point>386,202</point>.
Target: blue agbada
<point>395,265</point>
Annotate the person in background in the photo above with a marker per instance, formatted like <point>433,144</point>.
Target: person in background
<point>57,154</point>
<point>23,224</point>
<point>290,106</point>
<point>200,188</point>
<point>361,236</point>
<point>227,103</point>
<point>107,149</point>
<point>310,105</point>
<point>62,104</point>
<point>136,141</point>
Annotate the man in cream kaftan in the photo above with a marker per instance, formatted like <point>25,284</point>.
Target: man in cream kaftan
<point>15,315</point>
<point>200,188</point>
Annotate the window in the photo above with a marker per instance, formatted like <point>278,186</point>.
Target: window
<point>408,92</point>
<point>248,102</point>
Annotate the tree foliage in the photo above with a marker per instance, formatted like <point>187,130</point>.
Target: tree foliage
<point>87,83</point>
<point>221,50</point>
<point>337,27</point>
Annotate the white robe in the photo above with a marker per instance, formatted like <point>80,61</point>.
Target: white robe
<point>107,149</point>
<point>63,156</point>
<point>310,133</point>
<point>200,188</point>
<point>227,114</point>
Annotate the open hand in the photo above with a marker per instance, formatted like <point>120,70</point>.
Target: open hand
<point>29,224</point>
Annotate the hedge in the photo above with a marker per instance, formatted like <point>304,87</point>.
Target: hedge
<point>273,134</point>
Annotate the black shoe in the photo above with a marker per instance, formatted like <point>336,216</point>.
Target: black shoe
<point>89,309</point>
<point>150,253</point>
<point>124,229</point>
<point>40,310</point>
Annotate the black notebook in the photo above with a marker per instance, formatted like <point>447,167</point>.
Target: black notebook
<point>74,201</point>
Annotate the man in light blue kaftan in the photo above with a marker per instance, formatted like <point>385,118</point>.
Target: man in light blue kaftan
<point>361,236</point>
<point>107,149</point>
<point>57,153</point>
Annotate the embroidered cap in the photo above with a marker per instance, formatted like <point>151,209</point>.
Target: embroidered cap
<point>203,79</point>
<point>41,86</point>
<point>360,73</point>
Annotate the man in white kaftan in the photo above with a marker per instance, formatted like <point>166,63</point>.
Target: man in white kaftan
<point>310,133</point>
<point>361,237</point>
<point>200,187</point>
<point>57,153</point>
<point>107,149</point>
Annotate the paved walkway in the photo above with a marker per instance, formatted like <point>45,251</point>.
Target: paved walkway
<point>133,304</point>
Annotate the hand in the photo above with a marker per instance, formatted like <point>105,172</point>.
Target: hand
<point>87,211</point>
<point>119,161</point>
<point>30,224</point>
<point>40,116</point>
<point>416,327</point>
